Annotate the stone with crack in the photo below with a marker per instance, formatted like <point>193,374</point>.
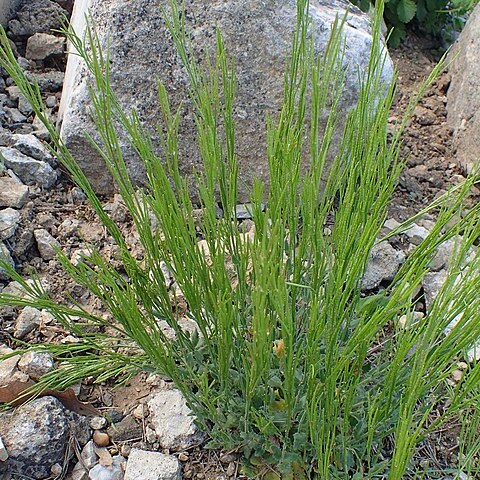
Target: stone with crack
<point>28,320</point>
<point>126,429</point>
<point>30,145</point>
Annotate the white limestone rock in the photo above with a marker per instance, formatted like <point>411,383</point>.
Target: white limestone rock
<point>173,420</point>
<point>144,465</point>
<point>115,471</point>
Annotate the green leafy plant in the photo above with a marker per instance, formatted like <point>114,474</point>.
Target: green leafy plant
<point>442,18</point>
<point>287,363</point>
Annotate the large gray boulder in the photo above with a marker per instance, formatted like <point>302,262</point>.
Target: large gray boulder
<point>258,37</point>
<point>463,105</point>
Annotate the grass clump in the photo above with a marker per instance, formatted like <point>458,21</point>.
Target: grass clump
<point>289,363</point>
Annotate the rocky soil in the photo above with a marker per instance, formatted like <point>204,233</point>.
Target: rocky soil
<point>431,167</point>
<point>144,426</point>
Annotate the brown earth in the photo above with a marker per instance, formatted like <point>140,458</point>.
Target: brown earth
<point>431,166</point>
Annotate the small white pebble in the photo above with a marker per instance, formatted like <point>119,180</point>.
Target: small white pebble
<point>150,435</point>
<point>457,375</point>
<point>125,450</point>
<point>183,457</point>
<point>140,412</point>
<point>407,321</point>
<point>56,470</point>
<point>3,452</point>
<point>97,423</point>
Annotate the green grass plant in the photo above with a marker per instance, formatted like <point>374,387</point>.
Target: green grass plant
<point>291,365</point>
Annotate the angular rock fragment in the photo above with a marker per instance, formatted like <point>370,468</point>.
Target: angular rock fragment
<point>9,220</point>
<point>88,454</point>
<point>144,465</point>
<point>5,256</point>
<point>12,193</point>
<point>126,429</point>
<point>382,265</point>
<point>49,81</point>
<point>39,129</point>
<point>29,170</point>
<point>79,472</point>
<point>415,234</point>
<point>36,364</point>
<point>46,244</point>
<point>31,146</point>
<point>10,373</point>
<point>14,115</point>
<point>42,45</point>
<point>432,283</point>
<point>27,321</point>
<point>17,99</point>
<point>115,471</point>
